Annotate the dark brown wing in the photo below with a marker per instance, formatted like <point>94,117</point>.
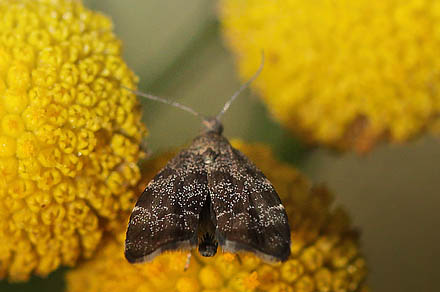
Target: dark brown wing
<point>167,213</point>
<point>248,211</point>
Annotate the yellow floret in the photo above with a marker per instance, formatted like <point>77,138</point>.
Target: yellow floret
<point>8,146</point>
<point>325,252</point>
<point>12,125</point>
<point>210,278</point>
<point>69,134</point>
<point>342,73</point>
<point>186,284</point>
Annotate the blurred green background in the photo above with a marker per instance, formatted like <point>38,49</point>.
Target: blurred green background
<point>392,194</point>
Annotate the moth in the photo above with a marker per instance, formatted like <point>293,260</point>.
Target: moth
<point>210,194</point>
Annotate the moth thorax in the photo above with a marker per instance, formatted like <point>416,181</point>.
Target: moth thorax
<point>209,156</point>
<point>208,159</point>
<point>208,245</point>
<point>213,125</point>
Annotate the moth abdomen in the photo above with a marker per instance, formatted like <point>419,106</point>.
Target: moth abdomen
<point>208,245</point>
<point>206,230</point>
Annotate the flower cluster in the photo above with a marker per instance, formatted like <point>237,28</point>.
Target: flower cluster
<point>342,73</point>
<point>325,251</point>
<point>69,134</point>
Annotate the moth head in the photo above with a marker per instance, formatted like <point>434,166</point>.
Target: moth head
<point>208,245</point>
<point>213,125</point>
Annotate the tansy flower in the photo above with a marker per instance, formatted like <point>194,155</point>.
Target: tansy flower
<point>342,73</point>
<point>325,250</point>
<point>69,134</point>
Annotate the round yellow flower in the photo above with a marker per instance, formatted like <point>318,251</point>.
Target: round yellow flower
<point>342,73</point>
<point>69,134</point>
<point>325,251</point>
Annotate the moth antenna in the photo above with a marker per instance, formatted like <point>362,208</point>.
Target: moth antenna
<point>166,101</point>
<point>242,87</point>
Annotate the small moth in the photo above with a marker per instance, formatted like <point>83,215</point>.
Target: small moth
<point>210,194</point>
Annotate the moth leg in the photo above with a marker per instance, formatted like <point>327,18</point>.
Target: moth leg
<point>188,259</point>
<point>238,258</point>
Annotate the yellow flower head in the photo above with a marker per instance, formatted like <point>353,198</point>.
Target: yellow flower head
<point>342,73</point>
<point>325,252</point>
<point>69,134</point>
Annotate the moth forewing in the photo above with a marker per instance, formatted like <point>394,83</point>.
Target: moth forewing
<point>166,215</point>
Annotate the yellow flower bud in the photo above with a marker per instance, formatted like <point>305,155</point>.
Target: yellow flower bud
<point>186,284</point>
<point>18,77</point>
<point>15,101</point>
<point>12,125</point>
<point>8,146</point>
<point>210,277</point>
<point>8,168</point>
